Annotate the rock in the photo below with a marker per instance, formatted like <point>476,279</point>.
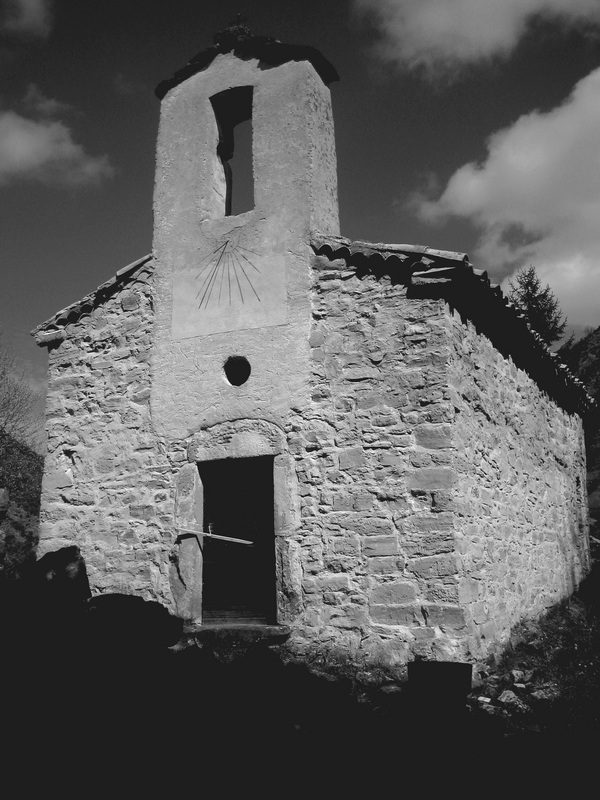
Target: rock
<point>4,498</point>
<point>494,711</point>
<point>510,701</point>
<point>546,693</point>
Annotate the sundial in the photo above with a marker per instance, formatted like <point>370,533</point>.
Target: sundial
<point>230,285</point>
<point>228,275</point>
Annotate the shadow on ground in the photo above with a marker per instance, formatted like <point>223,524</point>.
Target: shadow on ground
<point>100,687</point>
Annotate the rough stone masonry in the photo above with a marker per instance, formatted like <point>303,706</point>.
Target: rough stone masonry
<point>425,464</point>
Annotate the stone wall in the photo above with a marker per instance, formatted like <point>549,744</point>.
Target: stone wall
<point>106,486</point>
<point>443,493</point>
<point>521,500</point>
<point>374,458</point>
<point>427,494</point>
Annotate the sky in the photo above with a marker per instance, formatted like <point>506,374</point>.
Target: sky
<point>467,125</point>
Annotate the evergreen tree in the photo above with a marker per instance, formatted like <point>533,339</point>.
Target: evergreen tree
<point>540,306</point>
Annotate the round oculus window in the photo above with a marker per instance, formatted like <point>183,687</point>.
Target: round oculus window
<point>237,370</point>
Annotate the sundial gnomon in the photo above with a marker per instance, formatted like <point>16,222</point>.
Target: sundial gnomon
<point>227,275</point>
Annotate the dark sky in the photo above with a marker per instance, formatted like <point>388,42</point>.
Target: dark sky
<point>414,111</point>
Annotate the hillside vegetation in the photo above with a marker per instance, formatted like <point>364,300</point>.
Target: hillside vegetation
<point>583,359</point>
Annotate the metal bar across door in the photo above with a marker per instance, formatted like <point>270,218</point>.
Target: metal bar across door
<point>216,536</point>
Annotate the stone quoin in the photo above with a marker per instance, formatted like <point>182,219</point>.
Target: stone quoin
<point>404,455</point>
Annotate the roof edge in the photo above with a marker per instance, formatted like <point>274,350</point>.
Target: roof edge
<point>412,252</point>
<point>267,49</point>
<point>52,329</point>
<point>442,273</point>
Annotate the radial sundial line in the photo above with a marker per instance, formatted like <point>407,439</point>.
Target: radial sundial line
<point>206,279</point>
<point>211,280</point>
<point>241,266</point>
<point>247,249</point>
<point>210,257</point>
<point>210,265</point>
<point>238,283</point>
<point>221,284</point>
<point>249,262</point>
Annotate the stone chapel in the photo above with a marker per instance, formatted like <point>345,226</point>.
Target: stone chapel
<point>263,425</point>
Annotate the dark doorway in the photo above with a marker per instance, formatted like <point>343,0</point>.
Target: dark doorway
<point>238,580</point>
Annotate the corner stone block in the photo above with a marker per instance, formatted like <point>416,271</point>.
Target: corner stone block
<point>130,301</point>
<point>488,630</point>
<point>480,613</point>
<point>433,566</point>
<point>185,479</point>
<point>431,479</point>
<point>59,479</point>
<point>349,616</point>
<point>433,523</point>
<point>468,590</point>
<point>185,571</point>
<point>407,616</point>
<point>445,617</point>
<point>434,436</point>
<point>396,593</point>
<point>188,497</point>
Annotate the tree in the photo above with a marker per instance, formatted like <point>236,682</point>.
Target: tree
<point>20,426</point>
<point>19,403</point>
<point>539,305</point>
<point>21,467</point>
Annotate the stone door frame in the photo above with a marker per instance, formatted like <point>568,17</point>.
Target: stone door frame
<point>242,438</point>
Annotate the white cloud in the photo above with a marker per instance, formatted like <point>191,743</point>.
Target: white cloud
<point>36,102</point>
<point>126,87</point>
<point>536,200</point>
<point>443,35</point>
<point>28,17</point>
<point>44,150</point>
